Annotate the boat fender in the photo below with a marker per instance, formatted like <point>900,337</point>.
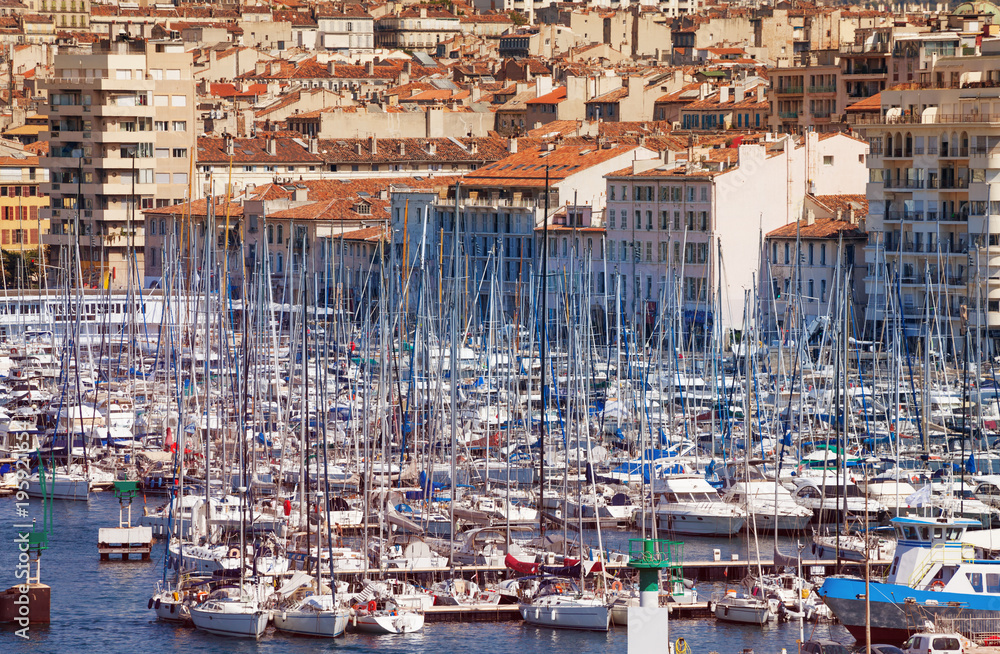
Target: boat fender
<point>173,607</point>
<point>156,604</point>
<point>616,586</point>
<point>150,603</point>
<point>177,596</point>
<point>284,615</point>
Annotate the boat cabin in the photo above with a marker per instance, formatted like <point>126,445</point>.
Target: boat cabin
<point>928,551</point>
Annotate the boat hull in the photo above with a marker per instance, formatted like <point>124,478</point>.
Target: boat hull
<point>235,625</point>
<point>697,525</point>
<point>742,614</point>
<point>897,611</point>
<point>326,624</point>
<point>586,618</point>
<point>61,488</point>
<point>404,623</point>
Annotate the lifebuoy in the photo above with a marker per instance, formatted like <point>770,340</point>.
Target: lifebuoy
<point>372,606</point>
<point>235,551</point>
<point>938,585</point>
<point>616,585</point>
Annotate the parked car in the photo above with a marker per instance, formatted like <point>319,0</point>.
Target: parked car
<point>823,646</point>
<point>934,644</point>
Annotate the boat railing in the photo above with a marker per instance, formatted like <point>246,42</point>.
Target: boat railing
<point>940,554</point>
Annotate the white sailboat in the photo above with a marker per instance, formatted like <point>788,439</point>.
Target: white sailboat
<point>234,617</point>
<point>315,615</point>
<point>560,604</point>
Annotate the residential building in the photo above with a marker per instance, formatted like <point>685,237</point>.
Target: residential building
<point>808,263</point>
<point>22,202</point>
<point>499,207</point>
<point>122,127</point>
<point>935,148</point>
<point>669,222</point>
<point>347,29</point>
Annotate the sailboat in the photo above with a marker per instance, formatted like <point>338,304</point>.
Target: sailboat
<point>561,604</point>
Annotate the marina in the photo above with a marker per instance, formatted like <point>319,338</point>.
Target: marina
<point>307,464</point>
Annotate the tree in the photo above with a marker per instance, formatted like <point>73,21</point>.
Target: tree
<point>20,270</point>
<point>518,18</point>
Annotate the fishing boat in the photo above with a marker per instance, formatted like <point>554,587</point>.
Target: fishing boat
<point>933,575</point>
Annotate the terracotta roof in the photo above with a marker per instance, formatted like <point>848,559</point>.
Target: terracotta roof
<point>528,166</point>
<point>326,189</point>
<point>394,150</point>
<point>245,151</point>
<point>200,208</point>
<point>368,234</point>
<point>229,90</point>
<point>553,97</point>
<point>868,105</point>
<point>844,202</point>
<point>821,228</point>
<point>611,96</point>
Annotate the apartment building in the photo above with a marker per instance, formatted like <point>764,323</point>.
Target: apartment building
<point>22,202</point>
<point>678,231</point>
<point>935,152</point>
<point>498,208</point>
<point>807,93</point>
<point>121,139</point>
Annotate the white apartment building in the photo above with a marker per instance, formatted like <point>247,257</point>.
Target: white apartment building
<point>122,137</point>
<point>934,219</point>
<point>667,223</point>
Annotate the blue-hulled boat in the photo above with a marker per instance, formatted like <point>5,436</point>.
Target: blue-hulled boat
<point>933,574</point>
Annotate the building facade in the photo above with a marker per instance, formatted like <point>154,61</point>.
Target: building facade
<point>121,140</point>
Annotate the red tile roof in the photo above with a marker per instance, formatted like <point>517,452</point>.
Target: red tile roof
<point>555,97</point>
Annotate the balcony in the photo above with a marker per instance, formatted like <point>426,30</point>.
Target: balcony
<point>789,90</point>
<point>822,89</point>
<point>862,70</point>
<point>788,115</point>
<point>954,184</point>
<point>954,153</point>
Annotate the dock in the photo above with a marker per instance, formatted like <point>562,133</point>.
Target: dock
<point>473,613</point>
<point>125,542</point>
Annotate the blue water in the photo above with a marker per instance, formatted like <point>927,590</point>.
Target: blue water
<point>103,607</point>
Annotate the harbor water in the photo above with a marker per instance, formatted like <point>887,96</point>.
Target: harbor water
<point>102,607</point>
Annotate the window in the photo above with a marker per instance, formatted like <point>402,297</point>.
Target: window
<point>624,219</point>
<point>281,234</point>
<point>180,178</point>
<point>810,254</point>
<point>611,192</point>
<point>649,220</point>
<point>160,125</point>
<point>812,290</point>
<point>179,153</point>
<point>160,100</point>
<point>180,125</point>
<point>178,101</point>
<point>270,234</point>
<point>704,193</point>
<point>174,74</point>
<point>822,290</point>
<point>787,258</point>
<point>162,153</point>
<point>822,254</point>
<point>156,73</point>
<point>162,178</point>
<point>611,215</point>
<point>827,160</point>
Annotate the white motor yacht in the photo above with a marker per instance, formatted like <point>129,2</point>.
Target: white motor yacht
<point>687,504</point>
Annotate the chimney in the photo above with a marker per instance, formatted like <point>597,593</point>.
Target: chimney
<point>228,140</point>
<point>370,68</point>
<point>374,145</point>
<point>402,148</point>
<point>474,147</point>
<point>358,148</point>
<point>852,216</point>
<point>740,92</point>
<point>300,194</point>
<point>760,92</point>
<point>512,146</point>
<point>313,145</point>
<point>723,94</point>
<point>272,147</point>
<point>423,12</point>
<point>431,148</point>
<point>810,217</point>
